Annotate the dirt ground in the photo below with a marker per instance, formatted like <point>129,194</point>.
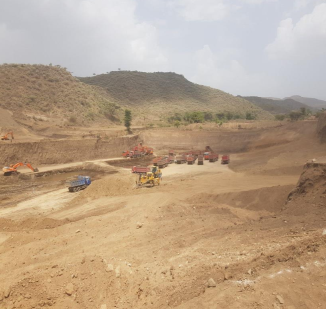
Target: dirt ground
<point>250,234</point>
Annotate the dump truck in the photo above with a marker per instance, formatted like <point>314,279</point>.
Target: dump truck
<point>157,159</point>
<point>78,184</point>
<point>180,159</point>
<point>200,160</point>
<point>206,155</point>
<point>164,162</point>
<point>213,157</point>
<point>140,169</point>
<point>225,159</point>
<point>191,159</point>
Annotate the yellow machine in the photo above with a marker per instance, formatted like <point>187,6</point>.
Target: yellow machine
<point>150,179</point>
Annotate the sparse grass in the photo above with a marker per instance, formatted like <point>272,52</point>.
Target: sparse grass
<point>49,89</point>
<point>165,93</point>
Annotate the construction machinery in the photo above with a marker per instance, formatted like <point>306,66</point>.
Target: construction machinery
<point>6,136</point>
<point>213,157</point>
<point>225,159</point>
<point>140,169</point>
<point>181,159</point>
<point>150,179</point>
<point>12,169</point>
<point>191,159</point>
<point>81,183</point>
<point>200,160</point>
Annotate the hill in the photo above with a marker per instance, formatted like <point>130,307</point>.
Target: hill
<point>51,91</point>
<point>277,106</point>
<point>315,103</point>
<point>162,93</point>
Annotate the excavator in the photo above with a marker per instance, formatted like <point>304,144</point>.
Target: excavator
<point>12,169</point>
<point>6,136</point>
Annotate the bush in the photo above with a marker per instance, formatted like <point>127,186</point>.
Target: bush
<point>250,116</point>
<point>279,117</point>
<point>295,116</point>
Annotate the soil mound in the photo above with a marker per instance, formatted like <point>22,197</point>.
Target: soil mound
<point>113,185</point>
<point>310,191</point>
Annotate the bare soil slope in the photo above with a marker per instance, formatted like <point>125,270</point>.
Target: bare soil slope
<point>211,236</point>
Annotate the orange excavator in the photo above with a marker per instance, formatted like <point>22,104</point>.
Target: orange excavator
<point>6,136</point>
<point>12,169</point>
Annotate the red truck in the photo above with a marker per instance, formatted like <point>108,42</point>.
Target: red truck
<point>140,169</point>
<point>191,159</point>
<point>180,159</point>
<point>225,159</point>
<point>213,157</point>
<point>200,160</point>
<point>164,162</point>
<point>156,160</point>
<point>206,155</point>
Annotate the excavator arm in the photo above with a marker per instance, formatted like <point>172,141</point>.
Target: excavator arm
<point>5,137</point>
<point>8,170</point>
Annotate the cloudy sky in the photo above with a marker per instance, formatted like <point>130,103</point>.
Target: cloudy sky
<point>270,48</point>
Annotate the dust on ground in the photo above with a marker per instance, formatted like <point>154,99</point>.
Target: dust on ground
<point>248,235</point>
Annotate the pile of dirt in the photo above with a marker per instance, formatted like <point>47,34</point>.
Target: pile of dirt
<point>113,185</point>
<point>309,195</point>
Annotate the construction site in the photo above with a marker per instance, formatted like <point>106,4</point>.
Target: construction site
<point>87,222</point>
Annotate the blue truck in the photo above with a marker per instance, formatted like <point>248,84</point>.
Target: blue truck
<point>78,184</point>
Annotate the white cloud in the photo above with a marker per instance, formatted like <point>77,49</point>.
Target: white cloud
<point>223,71</point>
<point>257,1</point>
<point>303,40</point>
<point>102,35</point>
<point>201,10</point>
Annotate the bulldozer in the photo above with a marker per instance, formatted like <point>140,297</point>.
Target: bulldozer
<point>6,136</point>
<point>12,169</point>
<point>150,179</point>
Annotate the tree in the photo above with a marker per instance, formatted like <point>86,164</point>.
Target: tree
<point>177,124</point>
<point>250,116</point>
<point>294,115</point>
<point>128,119</point>
<point>279,117</point>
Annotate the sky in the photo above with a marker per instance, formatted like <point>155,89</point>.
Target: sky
<point>269,48</point>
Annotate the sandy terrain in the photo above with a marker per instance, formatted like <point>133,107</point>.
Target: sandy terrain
<point>247,235</point>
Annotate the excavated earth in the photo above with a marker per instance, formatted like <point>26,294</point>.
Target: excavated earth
<point>250,234</point>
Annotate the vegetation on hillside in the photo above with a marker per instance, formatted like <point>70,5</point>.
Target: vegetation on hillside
<point>285,106</point>
<point>165,93</point>
<point>54,91</point>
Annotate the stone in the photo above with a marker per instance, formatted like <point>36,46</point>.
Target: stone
<point>211,283</point>
<point>139,225</point>
<point>78,231</point>
<point>280,299</point>
<point>249,272</point>
<point>117,272</point>
<point>103,306</point>
<point>109,268</point>
<point>69,289</point>
<point>324,232</point>
<point>7,292</point>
